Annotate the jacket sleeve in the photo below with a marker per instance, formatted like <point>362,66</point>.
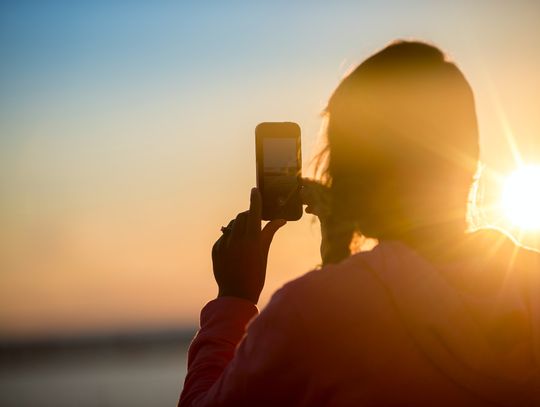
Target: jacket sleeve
<point>229,366</point>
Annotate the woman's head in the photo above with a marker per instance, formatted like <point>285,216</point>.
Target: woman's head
<point>402,143</point>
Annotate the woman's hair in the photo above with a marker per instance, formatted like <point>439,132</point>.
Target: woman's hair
<point>401,144</point>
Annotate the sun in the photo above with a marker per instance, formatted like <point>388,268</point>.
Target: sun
<point>521,197</point>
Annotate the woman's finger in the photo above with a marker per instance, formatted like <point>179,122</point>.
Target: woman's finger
<point>268,232</point>
<point>255,209</point>
<point>316,196</point>
<point>228,227</point>
<point>306,194</point>
<point>226,233</point>
<point>239,225</point>
<point>216,249</point>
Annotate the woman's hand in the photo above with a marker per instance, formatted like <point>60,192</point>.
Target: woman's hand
<point>335,233</point>
<point>317,198</point>
<point>240,255</point>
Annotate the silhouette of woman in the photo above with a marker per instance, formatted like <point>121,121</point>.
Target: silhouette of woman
<point>434,314</point>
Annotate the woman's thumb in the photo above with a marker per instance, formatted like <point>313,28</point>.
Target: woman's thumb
<point>267,233</point>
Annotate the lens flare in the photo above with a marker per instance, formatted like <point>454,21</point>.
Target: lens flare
<point>521,197</point>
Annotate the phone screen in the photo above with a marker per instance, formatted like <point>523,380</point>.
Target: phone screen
<point>279,166</point>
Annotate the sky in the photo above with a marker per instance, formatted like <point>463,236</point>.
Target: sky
<point>127,137</point>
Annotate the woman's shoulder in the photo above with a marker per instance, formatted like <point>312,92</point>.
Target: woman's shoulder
<point>362,280</point>
<point>334,291</point>
<point>328,278</point>
<point>345,297</point>
<point>497,249</point>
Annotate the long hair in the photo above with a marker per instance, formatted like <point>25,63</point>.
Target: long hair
<point>402,145</point>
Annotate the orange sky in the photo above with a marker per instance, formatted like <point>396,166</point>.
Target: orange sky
<point>127,140</point>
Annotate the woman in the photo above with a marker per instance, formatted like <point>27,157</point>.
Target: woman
<point>433,315</point>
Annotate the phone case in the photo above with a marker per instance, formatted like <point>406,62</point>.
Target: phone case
<point>279,186</point>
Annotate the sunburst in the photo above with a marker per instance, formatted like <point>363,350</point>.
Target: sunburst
<point>521,197</point>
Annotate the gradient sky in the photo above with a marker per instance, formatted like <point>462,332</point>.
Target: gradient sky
<point>127,136</point>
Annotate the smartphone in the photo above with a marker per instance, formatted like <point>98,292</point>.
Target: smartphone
<point>279,169</point>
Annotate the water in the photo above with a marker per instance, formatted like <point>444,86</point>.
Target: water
<point>144,376</point>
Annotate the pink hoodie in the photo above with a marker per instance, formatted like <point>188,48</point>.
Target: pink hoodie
<point>381,328</point>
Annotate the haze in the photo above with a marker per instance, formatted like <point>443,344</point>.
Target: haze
<point>127,137</point>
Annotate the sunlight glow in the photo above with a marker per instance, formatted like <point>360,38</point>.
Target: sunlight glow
<point>505,123</point>
<point>521,197</point>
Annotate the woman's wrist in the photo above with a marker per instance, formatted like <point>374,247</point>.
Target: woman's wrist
<point>251,297</point>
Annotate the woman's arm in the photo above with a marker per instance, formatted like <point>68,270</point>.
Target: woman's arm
<point>268,368</point>
<point>223,323</point>
<point>239,260</point>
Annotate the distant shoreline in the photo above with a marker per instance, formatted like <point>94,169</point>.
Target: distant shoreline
<point>22,350</point>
